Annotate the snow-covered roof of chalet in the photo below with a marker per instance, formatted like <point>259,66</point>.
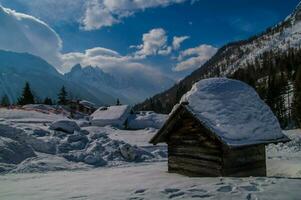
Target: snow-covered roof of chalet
<point>112,115</point>
<point>232,111</point>
<point>87,104</point>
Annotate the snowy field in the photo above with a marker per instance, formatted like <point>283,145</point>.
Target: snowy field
<point>149,181</point>
<point>57,166</point>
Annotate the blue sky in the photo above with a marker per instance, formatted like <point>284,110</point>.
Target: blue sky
<point>211,23</point>
<point>214,22</point>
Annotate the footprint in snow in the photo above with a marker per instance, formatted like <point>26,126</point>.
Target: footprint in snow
<point>226,188</point>
<point>177,194</point>
<point>135,198</point>
<point>250,188</point>
<point>201,196</point>
<point>197,190</point>
<point>170,190</point>
<point>83,197</point>
<point>140,191</point>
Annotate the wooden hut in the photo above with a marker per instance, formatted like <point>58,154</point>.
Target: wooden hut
<point>220,128</point>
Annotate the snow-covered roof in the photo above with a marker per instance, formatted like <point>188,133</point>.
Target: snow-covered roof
<point>87,104</point>
<point>112,115</point>
<point>233,111</point>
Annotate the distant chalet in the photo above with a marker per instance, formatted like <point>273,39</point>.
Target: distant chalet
<point>220,128</point>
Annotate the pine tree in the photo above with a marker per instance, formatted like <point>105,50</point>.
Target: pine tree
<point>48,101</point>
<point>118,102</point>
<point>5,101</point>
<point>283,105</point>
<point>27,96</point>
<point>297,98</point>
<point>271,91</point>
<point>62,96</point>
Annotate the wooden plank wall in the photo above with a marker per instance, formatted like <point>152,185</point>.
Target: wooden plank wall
<point>244,162</point>
<point>192,153</point>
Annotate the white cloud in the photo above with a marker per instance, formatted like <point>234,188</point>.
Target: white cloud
<point>53,11</point>
<point>155,42</point>
<point>24,33</point>
<point>91,14</point>
<point>177,41</point>
<point>123,67</point>
<point>97,16</point>
<point>194,58</point>
<point>109,12</point>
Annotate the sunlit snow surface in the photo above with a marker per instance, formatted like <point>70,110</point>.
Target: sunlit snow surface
<point>146,180</point>
<point>149,181</point>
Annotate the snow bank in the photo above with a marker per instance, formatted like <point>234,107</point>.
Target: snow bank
<point>47,163</point>
<point>233,111</point>
<point>64,146</point>
<point>28,116</point>
<point>39,107</point>
<point>284,160</point>
<point>146,119</point>
<point>113,115</point>
<point>68,126</point>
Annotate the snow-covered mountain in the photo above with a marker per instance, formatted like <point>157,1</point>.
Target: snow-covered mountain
<point>45,81</point>
<point>285,35</point>
<point>128,88</point>
<point>89,83</point>
<point>233,56</point>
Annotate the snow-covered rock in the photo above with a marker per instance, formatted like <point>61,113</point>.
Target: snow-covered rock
<point>57,149</point>
<point>159,153</point>
<point>41,133</point>
<point>44,145</point>
<point>77,136</point>
<point>112,115</point>
<point>146,119</point>
<point>68,126</point>
<point>95,159</point>
<point>83,123</point>
<point>128,152</point>
<point>46,163</point>
<point>4,167</point>
<point>234,111</point>
<point>134,153</point>
<point>13,152</point>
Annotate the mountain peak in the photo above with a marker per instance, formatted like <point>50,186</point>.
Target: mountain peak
<point>76,67</point>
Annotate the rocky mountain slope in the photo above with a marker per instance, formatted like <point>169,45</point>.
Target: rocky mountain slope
<point>45,81</point>
<point>128,88</point>
<point>231,57</point>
